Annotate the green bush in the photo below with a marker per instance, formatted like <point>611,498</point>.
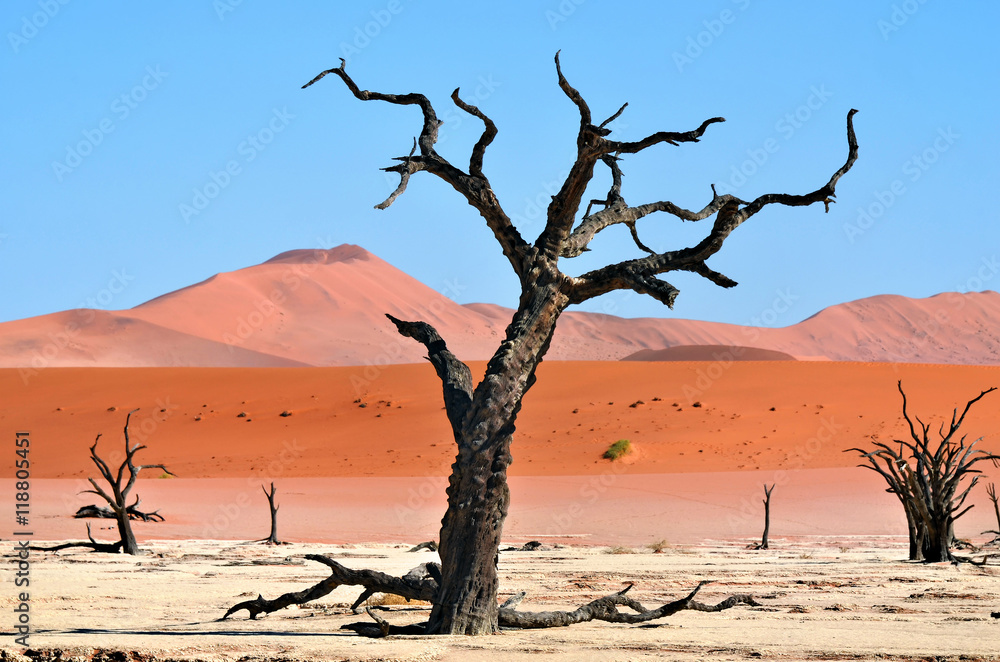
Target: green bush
<point>617,449</point>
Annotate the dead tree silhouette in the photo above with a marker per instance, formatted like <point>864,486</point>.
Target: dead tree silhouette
<point>483,415</point>
<point>926,476</point>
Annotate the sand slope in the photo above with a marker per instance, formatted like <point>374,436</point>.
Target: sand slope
<point>327,308</point>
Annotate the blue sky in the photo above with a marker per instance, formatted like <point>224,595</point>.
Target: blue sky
<point>117,115</point>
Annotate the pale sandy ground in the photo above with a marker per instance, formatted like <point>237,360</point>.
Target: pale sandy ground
<point>824,599</point>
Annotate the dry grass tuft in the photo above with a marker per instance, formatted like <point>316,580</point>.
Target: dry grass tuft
<point>391,599</point>
<point>618,449</point>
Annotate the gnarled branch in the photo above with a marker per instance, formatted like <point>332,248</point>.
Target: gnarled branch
<point>473,185</point>
<point>606,609</point>
<point>638,274</point>
<point>455,375</point>
<point>489,133</point>
<point>825,193</point>
<point>408,587</point>
<point>109,548</point>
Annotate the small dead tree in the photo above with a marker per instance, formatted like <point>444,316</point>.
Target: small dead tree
<point>483,415</point>
<point>118,498</point>
<point>926,476</point>
<point>767,517</point>
<point>272,539</point>
<point>991,492</point>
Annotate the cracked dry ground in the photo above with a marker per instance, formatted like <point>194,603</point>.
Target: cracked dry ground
<point>823,599</point>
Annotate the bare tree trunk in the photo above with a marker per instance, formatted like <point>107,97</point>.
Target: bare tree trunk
<point>129,545</point>
<point>478,495</point>
<point>767,515</point>
<point>478,498</point>
<point>991,491</point>
<point>916,537</point>
<point>272,538</point>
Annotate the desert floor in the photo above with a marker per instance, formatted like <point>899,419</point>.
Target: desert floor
<point>360,463</point>
<point>843,598</point>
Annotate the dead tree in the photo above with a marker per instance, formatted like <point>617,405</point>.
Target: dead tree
<point>483,415</point>
<point>926,476</point>
<point>767,517</point>
<point>118,499</point>
<point>991,492</point>
<point>272,539</point>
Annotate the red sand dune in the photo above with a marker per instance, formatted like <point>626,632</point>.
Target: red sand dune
<point>326,308</point>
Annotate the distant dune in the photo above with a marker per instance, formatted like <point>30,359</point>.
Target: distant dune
<point>327,308</point>
<point>723,353</point>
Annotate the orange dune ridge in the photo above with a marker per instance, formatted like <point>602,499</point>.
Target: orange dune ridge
<point>681,417</point>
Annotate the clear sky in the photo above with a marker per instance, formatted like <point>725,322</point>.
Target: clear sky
<point>115,116</point>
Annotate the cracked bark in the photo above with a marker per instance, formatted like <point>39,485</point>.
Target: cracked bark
<point>483,416</point>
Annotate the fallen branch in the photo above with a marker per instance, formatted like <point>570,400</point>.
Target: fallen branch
<point>606,609</point>
<point>429,545</point>
<point>408,587</point>
<point>99,512</point>
<point>110,548</point>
